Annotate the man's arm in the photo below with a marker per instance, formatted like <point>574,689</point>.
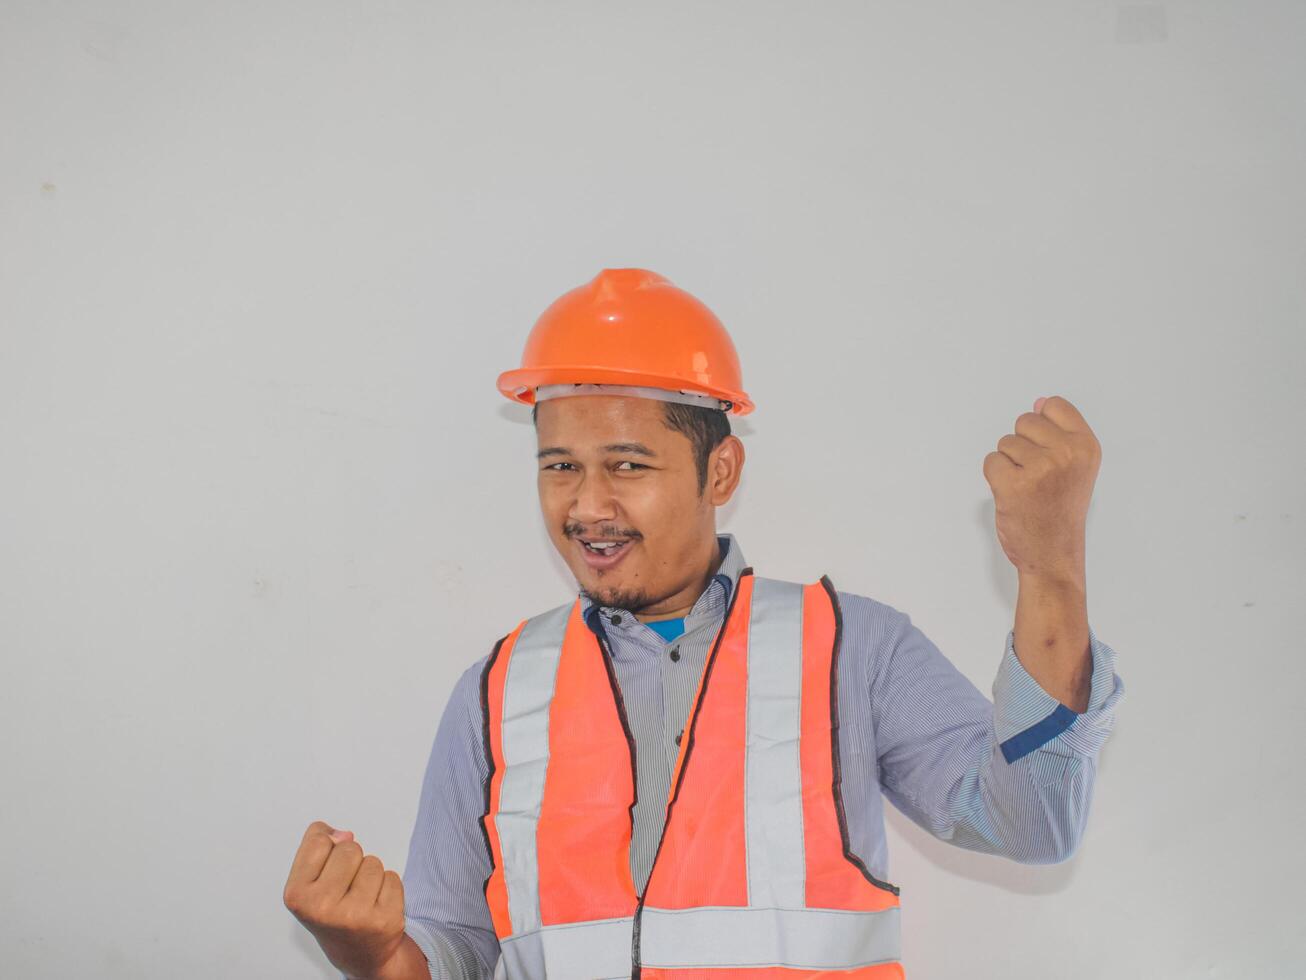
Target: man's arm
<point>1012,777</point>
<point>450,933</point>
<point>1051,635</point>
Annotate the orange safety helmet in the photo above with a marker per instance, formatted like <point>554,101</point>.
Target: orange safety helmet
<point>629,327</point>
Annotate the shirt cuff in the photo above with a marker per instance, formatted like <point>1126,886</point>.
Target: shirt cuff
<point>1026,717</point>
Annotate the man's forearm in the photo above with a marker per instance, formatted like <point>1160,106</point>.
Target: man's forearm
<point>1051,635</point>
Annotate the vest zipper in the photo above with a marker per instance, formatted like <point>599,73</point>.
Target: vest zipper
<point>636,968</point>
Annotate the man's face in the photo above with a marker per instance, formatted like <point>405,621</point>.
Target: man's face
<point>610,470</point>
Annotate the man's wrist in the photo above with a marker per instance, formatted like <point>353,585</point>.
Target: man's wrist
<point>408,962</point>
<point>1069,579</point>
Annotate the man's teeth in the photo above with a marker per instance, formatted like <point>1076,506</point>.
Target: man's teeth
<point>602,545</point>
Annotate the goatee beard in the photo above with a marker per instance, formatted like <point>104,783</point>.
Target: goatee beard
<point>632,602</point>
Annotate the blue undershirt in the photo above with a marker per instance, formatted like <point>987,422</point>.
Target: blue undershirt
<point>668,629</point>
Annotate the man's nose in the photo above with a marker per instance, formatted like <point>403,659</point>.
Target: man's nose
<point>594,500</point>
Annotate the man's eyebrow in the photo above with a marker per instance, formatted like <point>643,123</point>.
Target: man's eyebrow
<point>638,448</point>
<point>635,448</point>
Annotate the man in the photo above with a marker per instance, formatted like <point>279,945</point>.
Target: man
<point>681,771</point>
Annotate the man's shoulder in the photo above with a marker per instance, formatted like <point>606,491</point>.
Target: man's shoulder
<point>561,609</point>
<point>866,608</point>
<point>867,623</point>
<point>855,603</point>
<point>478,665</point>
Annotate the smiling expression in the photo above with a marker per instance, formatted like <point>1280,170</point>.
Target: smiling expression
<point>620,498</point>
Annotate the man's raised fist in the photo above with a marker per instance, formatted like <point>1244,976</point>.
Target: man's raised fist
<point>351,904</point>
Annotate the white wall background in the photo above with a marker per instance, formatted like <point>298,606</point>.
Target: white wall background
<point>260,264</point>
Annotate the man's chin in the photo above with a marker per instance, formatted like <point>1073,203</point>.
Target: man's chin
<point>614,597</point>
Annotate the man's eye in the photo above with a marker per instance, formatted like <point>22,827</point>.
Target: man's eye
<point>553,465</point>
<point>634,466</point>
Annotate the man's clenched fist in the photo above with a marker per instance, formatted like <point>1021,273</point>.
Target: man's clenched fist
<point>1042,479</point>
<point>351,904</point>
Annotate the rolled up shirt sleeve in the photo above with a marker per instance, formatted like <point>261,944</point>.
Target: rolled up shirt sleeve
<point>1027,718</point>
<point>1012,776</point>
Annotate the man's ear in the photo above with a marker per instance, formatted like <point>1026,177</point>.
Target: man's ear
<point>724,467</point>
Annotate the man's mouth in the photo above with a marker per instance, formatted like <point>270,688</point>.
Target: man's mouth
<point>602,554</point>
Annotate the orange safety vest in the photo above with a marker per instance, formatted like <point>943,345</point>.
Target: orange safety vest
<point>752,878</point>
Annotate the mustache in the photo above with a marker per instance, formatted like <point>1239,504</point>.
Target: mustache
<point>573,530</point>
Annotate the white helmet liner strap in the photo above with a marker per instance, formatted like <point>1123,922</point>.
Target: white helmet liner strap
<point>545,392</point>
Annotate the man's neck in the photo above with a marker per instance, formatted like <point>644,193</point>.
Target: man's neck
<point>703,582</point>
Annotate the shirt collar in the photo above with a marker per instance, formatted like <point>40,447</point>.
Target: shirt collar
<point>718,591</point>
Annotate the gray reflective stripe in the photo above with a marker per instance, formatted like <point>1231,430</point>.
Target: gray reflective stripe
<point>527,691</point>
<point>580,951</point>
<point>813,939</point>
<point>773,779</point>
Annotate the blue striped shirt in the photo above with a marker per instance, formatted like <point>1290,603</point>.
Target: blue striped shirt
<point>1012,777</point>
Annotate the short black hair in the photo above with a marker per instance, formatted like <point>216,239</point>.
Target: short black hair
<point>704,427</point>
